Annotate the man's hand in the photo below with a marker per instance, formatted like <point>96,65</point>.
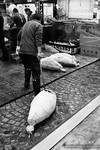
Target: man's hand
<point>39,55</point>
<point>17,49</point>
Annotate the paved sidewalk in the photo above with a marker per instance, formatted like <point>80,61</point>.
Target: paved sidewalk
<point>86,136</point>
<point>12,78</point>
<point>73,91</point>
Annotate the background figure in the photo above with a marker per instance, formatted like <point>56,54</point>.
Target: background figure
<point>28,13</point>
<point>5,55</point>
<point>18,20</point>
<point>30,51</point>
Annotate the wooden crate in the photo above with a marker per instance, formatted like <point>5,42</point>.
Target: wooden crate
<point>65,47</point>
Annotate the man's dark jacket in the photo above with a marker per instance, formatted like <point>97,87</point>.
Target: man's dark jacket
<point>31,37</point>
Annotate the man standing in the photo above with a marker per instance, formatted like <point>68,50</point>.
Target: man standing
<point>5,56</point>
<point>30,51</point>
<point>18,20</point>
<point>28,13</point>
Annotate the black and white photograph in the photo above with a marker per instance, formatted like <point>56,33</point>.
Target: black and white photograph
<point>49,74</point>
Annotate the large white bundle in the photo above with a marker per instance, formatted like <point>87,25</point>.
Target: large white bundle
<point>51,49</point>
<point>48,63</point>
<point>42,106</point>
<point>65,59</point>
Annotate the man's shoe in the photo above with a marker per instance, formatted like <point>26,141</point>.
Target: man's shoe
<point>36,87</point>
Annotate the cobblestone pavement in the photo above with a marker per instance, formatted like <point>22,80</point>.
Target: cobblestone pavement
<point>12,78</point>
<point>73,91</point>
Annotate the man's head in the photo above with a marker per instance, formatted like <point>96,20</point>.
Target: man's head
<point>28,11</point>
<point>15,10</point>
<point>36,17</point>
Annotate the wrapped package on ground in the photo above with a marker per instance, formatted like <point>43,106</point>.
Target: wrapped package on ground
<point>42,106</point>
<point>65,59</point>
<point>50,49</point>
<point>50,64</point>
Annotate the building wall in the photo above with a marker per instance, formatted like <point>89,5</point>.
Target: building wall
<point>81,9</point>
<point>63,8</point>
<point>75,8</point>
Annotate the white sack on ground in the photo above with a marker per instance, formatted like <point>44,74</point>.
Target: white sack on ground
<point>51,49</point>
<point>42,106</point>
<point>51,64</point>
<point>65,59</point>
